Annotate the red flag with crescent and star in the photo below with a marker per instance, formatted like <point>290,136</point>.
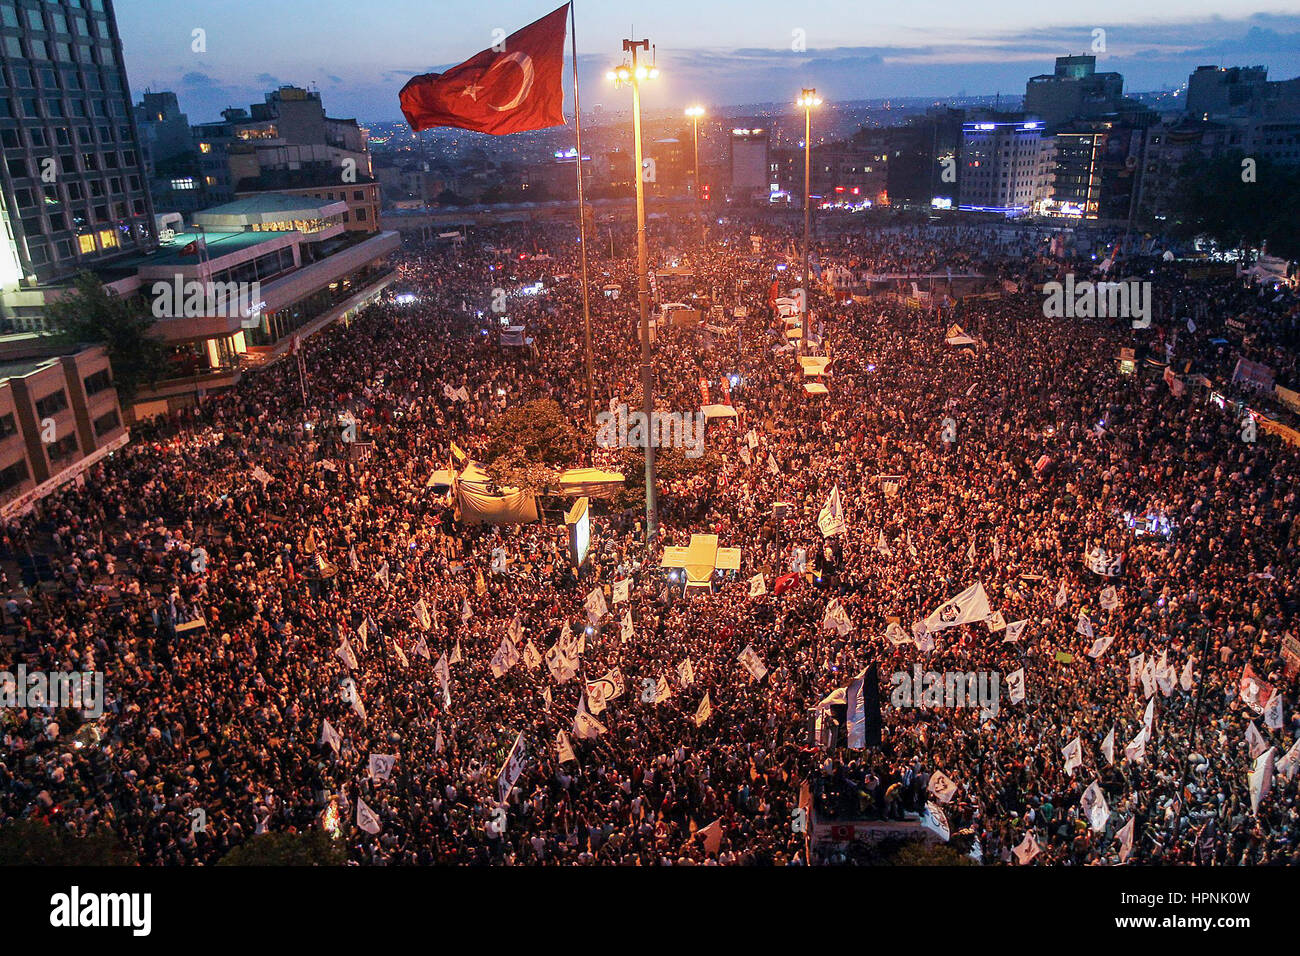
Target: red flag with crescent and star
<point>514,88</point>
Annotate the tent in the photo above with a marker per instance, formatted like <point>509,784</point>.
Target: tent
<point>960,340</point>
<point>815,388</point>
<point>814,365</point>
<point>718,411</point>
<point>701,559</point>
<point>591,482</point>
<point>476,506</point>
<point>443,478</point>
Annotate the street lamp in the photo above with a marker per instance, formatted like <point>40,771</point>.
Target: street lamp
<point>695,112</point>
<point>807,99</point>
<point>632,73</point>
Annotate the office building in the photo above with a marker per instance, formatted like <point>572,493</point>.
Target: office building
<point>73,190</point>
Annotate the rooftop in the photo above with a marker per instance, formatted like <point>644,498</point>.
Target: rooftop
<point>264,208</point>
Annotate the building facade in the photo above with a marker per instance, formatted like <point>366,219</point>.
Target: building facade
<point>73,188</point>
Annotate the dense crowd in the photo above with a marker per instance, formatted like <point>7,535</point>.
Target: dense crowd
<point>214,567</point>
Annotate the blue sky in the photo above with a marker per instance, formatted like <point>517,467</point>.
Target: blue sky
<point>720,52</point>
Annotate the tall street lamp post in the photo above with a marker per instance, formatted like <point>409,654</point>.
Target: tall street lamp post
<point>807,99</point>
<point>632,73</point>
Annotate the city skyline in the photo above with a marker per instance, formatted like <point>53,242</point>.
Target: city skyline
<point>846,56</point>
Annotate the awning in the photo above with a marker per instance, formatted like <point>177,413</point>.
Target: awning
<point>701,559</point>
<point>815,388</point>
<point>474,506</point>
<point>728,559</point>
<point>718,411</point>
<point>961,340</point>
<point>440,479</point>
<point>591,482</point>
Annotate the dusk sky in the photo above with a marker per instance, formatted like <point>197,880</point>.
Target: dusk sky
<point>718,52</point>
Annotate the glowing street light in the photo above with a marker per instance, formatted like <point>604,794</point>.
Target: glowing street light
<point>695,112</point>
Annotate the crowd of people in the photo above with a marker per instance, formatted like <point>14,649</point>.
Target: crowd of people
<point>252,582</point>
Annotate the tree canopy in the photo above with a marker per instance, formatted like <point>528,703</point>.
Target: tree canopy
<point>93,314</point>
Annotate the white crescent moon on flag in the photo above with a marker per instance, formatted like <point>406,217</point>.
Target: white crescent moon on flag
<point>526,65</point>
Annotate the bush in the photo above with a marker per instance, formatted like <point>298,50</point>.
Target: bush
<point>313,848</point>
<point>39,843</point>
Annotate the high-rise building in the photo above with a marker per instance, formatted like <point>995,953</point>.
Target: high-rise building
<point>1006,166</point>
<point>750,173</point>
<point>73,190</point>
<point>1075,90</point>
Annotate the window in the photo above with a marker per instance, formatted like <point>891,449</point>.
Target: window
<point>106,423</point>
<point>98,382</point>
<point>8,426</point>
<point>12,476</point>
<point>108,239</point>
<point>86,244</point>
<point>52,404</point>
<point>64,447</point>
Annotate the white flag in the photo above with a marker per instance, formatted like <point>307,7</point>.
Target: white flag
<point>757,586</point>
<point>1273,711</point>
<point>328,735</point>
<point>686,673</point>
<point>831,518</point>
<point>942,787</point>
<point>1125,836</point>
<point>896,635</point>
<point>625,629</point>
<point>363,634</point>
<point>1094,807</point>
<point>564,748</point>
<point>422,614</point>
<point>438,743</point>
<point>882,545</point>
<point>563,668</point>
<point>367,819</point>
<point>1099,647</point>
<point>596,606</point>
<point>595,697</point>
<point>1287,766</point>
<point>1108,747</point>
<point>397,649</point>
<point>703,712</point>
<point>532,656</point>
<point>1027,849</point>
<point>1016,685</point>
<point>752,663</point>
<point>1261,778</point>
<point>1014,630</point>
<point>1136,749</point>
<point>1255,740</point>
<point>995,622</point>
<point>1061,596</point>
<point>585,726</point>
<point>512,768</point>
<point>622,590</point>
<point>1073,753</point>
<point>506,657</point>
<point>1109,599</point>
<point>1185,679</point>
<point>456,656</point>
<point>344,651</point>
<point>836,618</point>
<point>968,606</point>
<point>381,766</point>
<point>1084,626</point>
<point>422,648</point>
<point>1135,665</point>
<point>935,820</point>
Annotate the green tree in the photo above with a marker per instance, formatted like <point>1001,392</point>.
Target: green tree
<point>528,442</point>
<point>38,843</point>
<point>313,848</point>
<point>93,314</point>
<point>1239,201</point>
<point>922,853</point>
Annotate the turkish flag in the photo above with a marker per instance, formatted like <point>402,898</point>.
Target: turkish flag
<point>510,90</point>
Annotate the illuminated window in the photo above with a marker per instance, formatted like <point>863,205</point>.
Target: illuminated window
<point>186,183</point>
<point>205,147</point>
<point>86,244</point>
<point>108,239</point>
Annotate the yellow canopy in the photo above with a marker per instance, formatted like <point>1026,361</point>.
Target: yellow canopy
<point>815,388</point>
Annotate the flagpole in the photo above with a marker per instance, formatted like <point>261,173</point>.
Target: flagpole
<point>582,221</point>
